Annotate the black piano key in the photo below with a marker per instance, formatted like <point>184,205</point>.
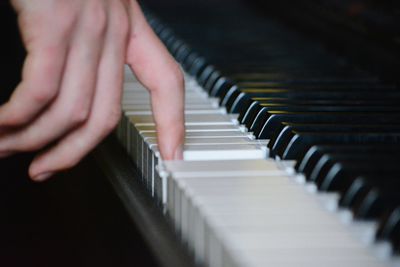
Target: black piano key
<point>374,203</point>
<point>251,84</point>
<point>356,158</point>
<point>302,141</point>
<point>198,65</point>
<point>170,41</point>
<point>157,26</point>
<point>279,143</point>
<point>361,185</point>
<point>249,116</point>
<point>182,53</point>
<point>314,154</point>
<point>221,87</point>
<point>212,80</point>
<point>333,94</point>
<point>274,122</point>
<point>230,94</point>
<point>165,34</point>
<point>240,105</point>
<point>324,122</point>
<point>176,46</point>
<point>342,174</point>
<point>357,189</point>
<point>259,122</point>
<point>389,226</point>
<point>310,159</point>
<point>316,162</point>
<point>151,19</point>
<point>205,74</point>
<point>291,79</point>
<point>326,163</point>
<point>188,62</point>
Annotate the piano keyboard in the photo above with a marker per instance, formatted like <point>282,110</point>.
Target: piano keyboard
<point>286,162</point>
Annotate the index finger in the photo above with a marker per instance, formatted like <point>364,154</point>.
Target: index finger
<point>160,74</point>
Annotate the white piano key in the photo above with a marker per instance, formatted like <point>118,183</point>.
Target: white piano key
<point>190,119</point>
<point>131,107</point>
<point>296,257</point>
<point>203,152</point>
<point>204,134</point>
<point>197,128</point>
<point>286,225</point>
<point>222,168</point>
<point>209,148</point>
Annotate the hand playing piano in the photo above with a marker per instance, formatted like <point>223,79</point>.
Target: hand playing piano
<point>70,93</point>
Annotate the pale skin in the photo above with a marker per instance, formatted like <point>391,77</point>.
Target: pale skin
<point>69,97</point>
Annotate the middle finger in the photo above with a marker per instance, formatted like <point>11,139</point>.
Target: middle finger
<point>72,106</point>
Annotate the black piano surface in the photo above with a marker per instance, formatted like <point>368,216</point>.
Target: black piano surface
<point>77,218</point>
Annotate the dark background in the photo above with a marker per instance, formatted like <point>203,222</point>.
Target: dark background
<point>75,219</point>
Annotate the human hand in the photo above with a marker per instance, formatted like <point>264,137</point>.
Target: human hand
<point>70,94</point>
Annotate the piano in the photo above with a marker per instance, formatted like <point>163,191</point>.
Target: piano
<point>292,135</point>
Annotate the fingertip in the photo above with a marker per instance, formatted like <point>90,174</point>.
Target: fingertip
<point>11,118</point>
<point>4,119</point>
<point>171,143</point>
<point>42,177</point>
<point>178,155</point>
<point>36,171</point>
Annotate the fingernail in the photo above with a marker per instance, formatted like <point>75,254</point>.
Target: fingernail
<point>178,153</point>
<point>42,177</point>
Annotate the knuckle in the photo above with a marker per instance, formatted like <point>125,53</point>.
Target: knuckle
<point>29,143</point>
<point>66,22</point>
<point>121,31</point>
<point>69,163</point>
<point>78,116</point>
<point>43,96</point>
<point>96,19</point>
<point>32,146</point>
<point>176,76</point>
<point>78,149</point>
<point>63,18</point>
<point>112,121</point>
<point>172,79</point>
<point>121,24</point>
<point>65,26</point>
<point>72,154</point>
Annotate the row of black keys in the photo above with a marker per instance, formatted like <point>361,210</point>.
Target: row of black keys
<point>343,133</point>
<point>248,45</point>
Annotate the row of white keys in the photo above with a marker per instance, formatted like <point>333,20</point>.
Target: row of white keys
<point>210,133</point>
<point>250,213</point>
<point>235,212</point>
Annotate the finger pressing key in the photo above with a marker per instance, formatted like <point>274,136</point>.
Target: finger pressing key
<point>161,75</point>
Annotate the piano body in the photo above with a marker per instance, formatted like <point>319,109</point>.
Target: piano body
<point>293,136</point>
<point>292,132</point>
<point>292,123</point>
